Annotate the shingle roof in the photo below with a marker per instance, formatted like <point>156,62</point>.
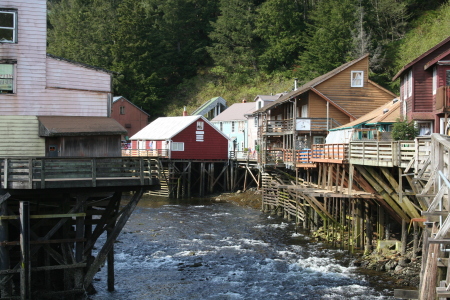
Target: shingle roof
<point>165,128</point>
<point>76,126</point>
<point>236,112</point>
<point>309,85</point>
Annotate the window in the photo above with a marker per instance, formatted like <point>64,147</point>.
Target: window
<point>318,140</point>
<point>256,121</point>
<point>232,126</point>
<point>304,113</point>
<point>122,110</point>
<point>8,26</point>
<point>434,80</point>
<point>221,126</point>
<point>410,85</point>
<point>200,125</point>
<point>425,127</point>
<point>357,78</point>
<point>177,146</point>
<point>7,78</point>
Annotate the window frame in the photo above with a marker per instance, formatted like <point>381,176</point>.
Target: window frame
<point>352,79</point>
<point>177,146</point>
<point>14,28</point>
<point>430,123</point>
<point>122,110</point>
<point>200,125</point>
<point>14,78</point>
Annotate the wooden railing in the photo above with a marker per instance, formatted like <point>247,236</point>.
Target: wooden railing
<point>278,126</point>
<point>244,155</point>
<point>40,173</point>
<point>372,153</point>
<point>442,98</point>
<point>287,126</point>
<point>329,153</point>
<point>146,152</point>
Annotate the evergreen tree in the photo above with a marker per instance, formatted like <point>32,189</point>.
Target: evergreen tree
<point>280,24</point>
<point>329,38</point>
<point>235,45</point>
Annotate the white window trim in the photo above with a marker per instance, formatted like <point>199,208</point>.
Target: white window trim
<point>14,77</point>
<point>353,78</point>
<point>318,137</point>
<point>410,85</point>
<point>14,28</point>
<point>177,146</point>
<point>434,80</point>
<point>425,122</point>
<point>200,125</point>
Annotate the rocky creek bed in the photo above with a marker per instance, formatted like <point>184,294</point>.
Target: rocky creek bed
<point>405,269</point>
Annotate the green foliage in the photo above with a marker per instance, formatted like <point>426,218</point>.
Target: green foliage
<point>234,43</point>
<point>329,39</point>
<point>174,53</point>
<point>404,130</point>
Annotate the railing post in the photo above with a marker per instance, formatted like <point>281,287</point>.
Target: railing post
<point>43,174</point>
<point>94,172</point>
<point>5,173</point>
<point>141,169</point>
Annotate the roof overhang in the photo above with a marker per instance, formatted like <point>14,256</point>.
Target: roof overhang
<point>53,126</point>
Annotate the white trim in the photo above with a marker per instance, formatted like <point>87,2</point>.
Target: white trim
<point>177,146</point>
<point>14,28</point>
<point>434,80</point>
<point>357,79</point>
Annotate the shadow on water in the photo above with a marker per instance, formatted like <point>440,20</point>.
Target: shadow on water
<point>199,249</point>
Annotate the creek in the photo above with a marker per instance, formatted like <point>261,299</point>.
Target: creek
<point>200,249</point>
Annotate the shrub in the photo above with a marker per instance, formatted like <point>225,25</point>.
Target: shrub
<point>404,130</point>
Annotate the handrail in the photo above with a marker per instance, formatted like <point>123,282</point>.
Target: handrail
<point>26,173</point>
<point>146,152</point>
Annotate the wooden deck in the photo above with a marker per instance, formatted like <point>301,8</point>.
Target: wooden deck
<point>50,173</point>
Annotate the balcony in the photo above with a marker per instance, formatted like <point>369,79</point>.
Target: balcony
<point>277,127</point>
<point>146,153</point>
<point>442,99</point>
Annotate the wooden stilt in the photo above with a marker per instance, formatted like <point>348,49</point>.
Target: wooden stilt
<point>25,270</point>
<point>5,288</point>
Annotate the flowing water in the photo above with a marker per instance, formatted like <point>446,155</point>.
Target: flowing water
<point>205,250</point>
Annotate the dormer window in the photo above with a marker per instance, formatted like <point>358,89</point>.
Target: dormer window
<point>8,26</point>
<point>357,78</point>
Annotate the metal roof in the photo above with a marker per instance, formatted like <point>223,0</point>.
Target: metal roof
<point>165,128</point>
<point>76,126</point>
<point>208,105</point>
<point>236,112</point>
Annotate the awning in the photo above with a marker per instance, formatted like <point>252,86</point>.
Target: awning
<point>78,126</point>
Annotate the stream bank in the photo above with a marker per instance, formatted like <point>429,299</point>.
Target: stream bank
<point>404,268</point>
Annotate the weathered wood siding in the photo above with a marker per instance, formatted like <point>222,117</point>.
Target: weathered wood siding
<point>133,120</point>
<point>91,146</point>
<point>62,74</point>
<point>356,100</point>
<point>20,136</point>
<point>33,96</point>
<point>214,146</point>
<point>318,109</point>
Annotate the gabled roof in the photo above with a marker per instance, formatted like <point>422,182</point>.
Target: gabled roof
<point>423,55</point>
<point>78,126</point>
<point>117,98</point>
<point>437,59</point>
<point>311,84</point>
<point>236,112</point>
<point>208,105</point>
<point>165,128</point>
<point>387,113</point>
<point>268,97</point>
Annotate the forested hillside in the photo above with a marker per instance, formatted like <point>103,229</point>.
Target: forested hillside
<point>173,53</point>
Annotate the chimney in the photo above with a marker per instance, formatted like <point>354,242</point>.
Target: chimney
<point>185,113</point>
<point>244,100</point>
<point>295,84</point>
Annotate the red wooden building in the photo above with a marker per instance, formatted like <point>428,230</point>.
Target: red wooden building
<point>424,89</point>
<point>188,137</point>
<point>129,115</point>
